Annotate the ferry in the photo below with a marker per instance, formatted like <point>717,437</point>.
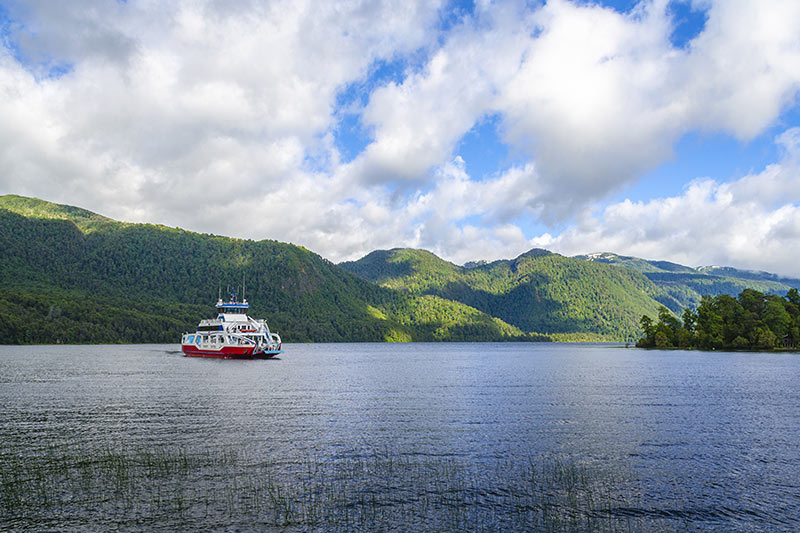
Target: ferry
<point>232,335</point>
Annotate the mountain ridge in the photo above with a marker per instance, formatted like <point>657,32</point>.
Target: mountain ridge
<point>65,261</point>
<point>684,286</point>
<point>537,291</point>
<point>69,275</point>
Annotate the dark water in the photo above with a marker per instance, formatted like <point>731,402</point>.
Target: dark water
<point>691,441</point>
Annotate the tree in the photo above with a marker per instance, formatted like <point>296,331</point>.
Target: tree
<point>649,332</point>
<point>776,318</point>
<point>689,320</point>
<point>709,324</point>
<point>793,296</point>
<point>666,317</point>
<point>751,300</point>
<point>661,340</point>
<point>764,339</point>
<point>752,320</point>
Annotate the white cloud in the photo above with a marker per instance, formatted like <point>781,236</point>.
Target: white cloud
<point>417,123</point>
<point>592,100</point>
<point>745,67</point>
<point>196,104</point>
<point>173,113</point>
<point>596,96</point>
<point>752,222</point>
<point>601,97</point>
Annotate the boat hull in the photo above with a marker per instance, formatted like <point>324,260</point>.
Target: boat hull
<point>225,352</point>
<point>267,355</point>
<point>229,352</point>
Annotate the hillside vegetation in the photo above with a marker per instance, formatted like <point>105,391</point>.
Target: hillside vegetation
<point>751,321</point>
<point>69,275</point>
<point>683,287</point>
<point>538,291</point>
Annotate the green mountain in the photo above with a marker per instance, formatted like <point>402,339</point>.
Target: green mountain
<point>538,291</point>
<point>682,286</point>
<point>70,275</point>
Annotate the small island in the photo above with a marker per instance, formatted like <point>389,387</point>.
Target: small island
<point>751,321</point>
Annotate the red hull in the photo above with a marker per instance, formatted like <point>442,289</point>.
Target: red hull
<point>226,352</point>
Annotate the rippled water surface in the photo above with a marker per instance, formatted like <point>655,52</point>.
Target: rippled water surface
<point>668,440</point>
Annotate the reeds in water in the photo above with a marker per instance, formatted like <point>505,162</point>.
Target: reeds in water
<point>178,489</point>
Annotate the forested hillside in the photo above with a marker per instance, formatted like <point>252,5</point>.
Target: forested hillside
<point>69,275</point>
<point>537,291</point>
<point>751,321</point>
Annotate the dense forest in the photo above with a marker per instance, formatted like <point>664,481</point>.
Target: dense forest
<point>538,291</point>
<point>72,276</point>
<point>69,275</point>
<point>751,321</point>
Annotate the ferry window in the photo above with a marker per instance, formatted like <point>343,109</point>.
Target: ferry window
<point>190,339</point>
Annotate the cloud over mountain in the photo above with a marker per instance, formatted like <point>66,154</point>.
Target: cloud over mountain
<point>231,119</point>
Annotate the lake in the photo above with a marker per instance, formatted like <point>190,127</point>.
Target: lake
<point>452,436</point>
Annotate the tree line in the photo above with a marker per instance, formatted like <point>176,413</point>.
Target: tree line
<point>751,321</point>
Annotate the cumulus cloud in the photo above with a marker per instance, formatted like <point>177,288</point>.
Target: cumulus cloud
<point>197,104</point>
<point>594,96</point>
<point>601,97</point>
<point>416,123</point>
<point>752,222</point>
<point>175,112</point>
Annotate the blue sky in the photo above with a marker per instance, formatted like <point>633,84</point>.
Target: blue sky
<point>666,129</point>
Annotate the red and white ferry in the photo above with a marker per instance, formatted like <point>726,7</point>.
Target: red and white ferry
<point>232,334</point>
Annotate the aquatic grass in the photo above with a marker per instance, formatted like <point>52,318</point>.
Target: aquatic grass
<point>178,488</point>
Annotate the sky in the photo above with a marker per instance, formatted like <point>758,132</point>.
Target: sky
<point>661,129</point>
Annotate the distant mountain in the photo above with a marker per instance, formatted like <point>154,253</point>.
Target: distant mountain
<point>682,286</point>
<point>538,291</point>
<point>70,275</point>
<point>755,275</point>
<point>635,263</point>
